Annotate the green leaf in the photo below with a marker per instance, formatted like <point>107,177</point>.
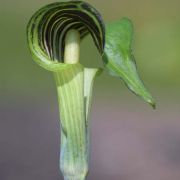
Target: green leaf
<point>47,29</point>
<point>119,60</point>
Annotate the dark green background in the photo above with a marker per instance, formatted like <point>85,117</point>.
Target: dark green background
<point>130,141</point>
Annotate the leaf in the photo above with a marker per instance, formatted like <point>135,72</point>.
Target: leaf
<point>47,29</point>
<point>119,60</point>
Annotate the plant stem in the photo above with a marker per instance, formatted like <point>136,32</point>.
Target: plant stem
<point>74,88</point>
<point>74,152</point>
<point>70,88</point>
<point>72,47</point>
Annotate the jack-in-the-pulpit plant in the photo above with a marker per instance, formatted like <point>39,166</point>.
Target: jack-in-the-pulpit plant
<point>54,34</point>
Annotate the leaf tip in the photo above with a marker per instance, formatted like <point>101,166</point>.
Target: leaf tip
<point>152,103</point>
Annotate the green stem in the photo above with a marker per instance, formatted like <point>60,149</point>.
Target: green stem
<point>74,178</point>
<point>72,47</point>
<point>74,88</point>
<point>74,153</point>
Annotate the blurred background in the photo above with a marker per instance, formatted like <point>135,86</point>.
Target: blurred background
<point>129,140</point>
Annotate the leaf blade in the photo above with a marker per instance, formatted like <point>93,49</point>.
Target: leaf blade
<point>119,60</point>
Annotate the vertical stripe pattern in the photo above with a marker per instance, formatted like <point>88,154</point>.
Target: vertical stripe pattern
<point>48,26</point>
